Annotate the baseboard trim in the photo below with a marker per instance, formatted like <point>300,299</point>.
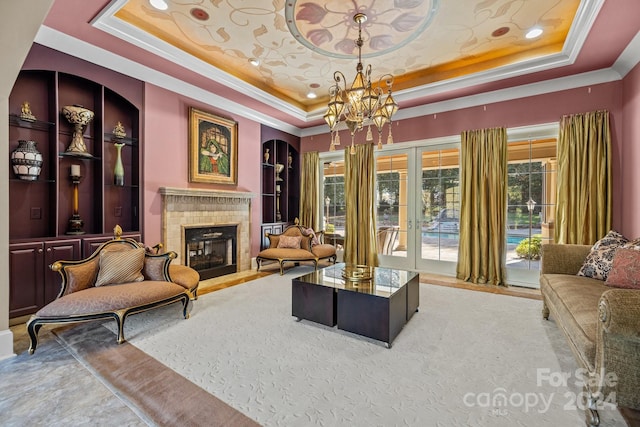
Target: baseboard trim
<point>6,344</point>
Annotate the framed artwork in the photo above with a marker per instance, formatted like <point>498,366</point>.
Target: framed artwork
<point>213,148</point>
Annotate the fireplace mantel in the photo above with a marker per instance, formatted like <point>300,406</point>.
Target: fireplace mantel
<point>183,207</point>
<point>219,196</point>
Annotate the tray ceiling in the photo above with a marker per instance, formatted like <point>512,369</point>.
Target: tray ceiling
<point>298,45</point>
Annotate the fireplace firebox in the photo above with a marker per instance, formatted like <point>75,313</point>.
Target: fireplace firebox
<point>211,250</point>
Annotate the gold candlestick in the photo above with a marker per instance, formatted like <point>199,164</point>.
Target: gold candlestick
<point>75,222</point>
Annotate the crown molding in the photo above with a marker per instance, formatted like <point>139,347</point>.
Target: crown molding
<point>629,58</point>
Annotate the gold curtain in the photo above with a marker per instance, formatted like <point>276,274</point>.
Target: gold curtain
<point>483,206</point>
<point>584,205</point>
<point>360,196</point>
<point>309,190</point>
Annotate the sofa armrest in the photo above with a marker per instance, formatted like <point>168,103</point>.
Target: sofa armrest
<point>620,312</point>
<point>563,259</point>
<point>184,276</point>
<point>618,346</point>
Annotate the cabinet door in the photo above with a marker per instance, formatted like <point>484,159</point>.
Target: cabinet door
<point>26,292</point>
<point>68,250</point>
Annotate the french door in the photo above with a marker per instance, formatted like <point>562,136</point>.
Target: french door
<point>419,195</point>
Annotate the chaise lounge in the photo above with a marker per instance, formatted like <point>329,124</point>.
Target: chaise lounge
<point>119,279</point>
<point>296,244</point>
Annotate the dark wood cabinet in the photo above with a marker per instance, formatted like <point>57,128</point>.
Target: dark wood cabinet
<point>41,209</point>
<point>280,186</point>
<point>32,283</point>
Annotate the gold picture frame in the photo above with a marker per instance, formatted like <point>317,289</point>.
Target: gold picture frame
<point>213,148</point>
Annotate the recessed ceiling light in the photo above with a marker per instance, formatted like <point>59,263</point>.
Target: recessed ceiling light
<point>255,62</point>
<point>533,33</point>
<point>312,95</point>
<point>159,4</point>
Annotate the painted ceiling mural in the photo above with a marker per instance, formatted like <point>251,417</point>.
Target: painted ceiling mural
<point>298,44</point>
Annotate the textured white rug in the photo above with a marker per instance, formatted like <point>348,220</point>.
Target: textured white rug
<point>465,359</point>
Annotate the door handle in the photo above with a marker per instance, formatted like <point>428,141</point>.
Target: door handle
<point>409,225</point>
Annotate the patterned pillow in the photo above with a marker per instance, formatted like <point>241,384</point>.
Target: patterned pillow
<point>625,271</point>
<point>633,244</point>
<point>289,242</point>
<point>120,267</point>
<point>155,265</point>
<point>314,238</point>
<point>598,263</point>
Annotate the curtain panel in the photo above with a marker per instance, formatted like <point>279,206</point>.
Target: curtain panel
<point>360,195</point>
<point>584,200</point>
<point>483,206</point>
<point>310,190</point>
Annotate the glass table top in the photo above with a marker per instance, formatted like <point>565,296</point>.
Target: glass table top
<point>384,281</point>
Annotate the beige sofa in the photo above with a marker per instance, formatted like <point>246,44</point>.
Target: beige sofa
<point>602,326</point>
<point>295,244</point>
<point>119,279</point>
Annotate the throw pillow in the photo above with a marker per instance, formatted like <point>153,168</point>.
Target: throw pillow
<point>120,267</point>
<point>598,263</point>
<point>155,266</point>
<point>81,276</point>
<point>632,244</point>
<point>289,242</point>
<point>314,238</point>
<point>625,271</point>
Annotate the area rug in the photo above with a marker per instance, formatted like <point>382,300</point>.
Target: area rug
<point>466,358</point>
<point>157,394</point>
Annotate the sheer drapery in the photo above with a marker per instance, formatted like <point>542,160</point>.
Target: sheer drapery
<point>360,195</point>
<point>309,190</point>
<point>584,205</point>
<point>483,205</point>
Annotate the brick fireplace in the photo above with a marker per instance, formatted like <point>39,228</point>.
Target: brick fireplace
<point>185,209</point>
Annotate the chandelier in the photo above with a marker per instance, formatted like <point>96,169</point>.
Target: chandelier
<point>363,103</point>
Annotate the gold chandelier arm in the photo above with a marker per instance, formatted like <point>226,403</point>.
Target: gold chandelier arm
<point>388,81</point>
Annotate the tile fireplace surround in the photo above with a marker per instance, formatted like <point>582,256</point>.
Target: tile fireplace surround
<point>188,207</point>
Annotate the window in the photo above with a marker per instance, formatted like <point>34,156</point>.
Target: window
<point>530,200</point>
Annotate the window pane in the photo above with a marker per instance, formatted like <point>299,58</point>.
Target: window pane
<point>530,201</point>
<point>440,204</point>
<point>334,201</point>
<point>391,204</point>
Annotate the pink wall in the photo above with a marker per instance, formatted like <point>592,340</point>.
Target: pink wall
<point>166,157</point>
<point>545,108</point>
<point>631,143</point>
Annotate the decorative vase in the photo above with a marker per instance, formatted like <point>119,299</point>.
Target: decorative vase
<point>266,155</point>
<point>80,117</point>
<point>26,160</point>
<point>118,131</point>
<point>118,170</point>
<point>279,169</point>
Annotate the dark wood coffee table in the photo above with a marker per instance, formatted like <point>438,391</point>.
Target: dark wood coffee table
<point>377,308</point>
